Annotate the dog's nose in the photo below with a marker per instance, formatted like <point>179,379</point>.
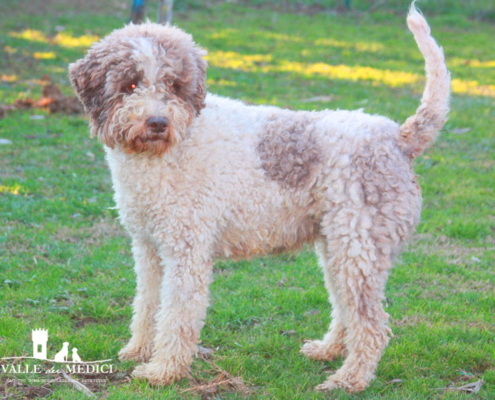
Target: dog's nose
<point>157,124</point>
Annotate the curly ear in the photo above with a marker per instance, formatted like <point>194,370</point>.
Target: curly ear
<point>88,79</point>
<point>198,99</point>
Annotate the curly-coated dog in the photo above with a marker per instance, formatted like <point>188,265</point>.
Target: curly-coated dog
<point>198,176</point>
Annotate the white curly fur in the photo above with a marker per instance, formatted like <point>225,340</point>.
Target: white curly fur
<point>232,180</point>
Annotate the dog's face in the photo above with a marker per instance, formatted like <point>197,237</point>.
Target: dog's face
<point>142,86</point>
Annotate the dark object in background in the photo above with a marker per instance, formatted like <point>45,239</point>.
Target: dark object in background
<point>53,99</point>
<point>137,11</point>
<point>56,101</point>
<point>165,8</point>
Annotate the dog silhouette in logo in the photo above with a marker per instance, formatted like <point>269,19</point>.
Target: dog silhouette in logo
<point>75,356</point>
<point>63,354</point>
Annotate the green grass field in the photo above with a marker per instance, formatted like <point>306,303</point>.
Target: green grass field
<point>66,265</point>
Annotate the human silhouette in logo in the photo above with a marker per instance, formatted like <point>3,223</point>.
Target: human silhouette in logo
<point>75,356</point>
<point>63,354</point>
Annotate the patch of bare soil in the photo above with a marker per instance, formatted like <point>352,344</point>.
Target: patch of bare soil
<point>442,245</point>
<point>89,383</point>
<point>85,321</point>
<point>96,383</point>
<point>18,390</point>
<point>92,236</point>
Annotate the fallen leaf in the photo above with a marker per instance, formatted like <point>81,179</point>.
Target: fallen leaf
<point>394,381</point>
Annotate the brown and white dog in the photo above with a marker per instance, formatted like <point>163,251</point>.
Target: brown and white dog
<point>198,176</point>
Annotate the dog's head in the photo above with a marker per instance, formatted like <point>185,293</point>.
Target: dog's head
<point>142,85</point>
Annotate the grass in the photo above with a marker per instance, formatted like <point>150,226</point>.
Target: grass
<point>65,263</point>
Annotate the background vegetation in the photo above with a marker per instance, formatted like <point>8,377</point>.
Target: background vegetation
<point>65,263</point>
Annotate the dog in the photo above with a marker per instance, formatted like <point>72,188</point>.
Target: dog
<point>198,176</point>
<point>63,354</point>
<point>75,357</point>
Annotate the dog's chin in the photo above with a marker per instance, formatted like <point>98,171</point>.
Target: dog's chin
<point>152,145</point>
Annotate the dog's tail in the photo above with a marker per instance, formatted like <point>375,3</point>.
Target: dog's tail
<point>422,128</point>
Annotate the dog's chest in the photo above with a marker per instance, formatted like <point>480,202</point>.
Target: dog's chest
<point>141,190</point>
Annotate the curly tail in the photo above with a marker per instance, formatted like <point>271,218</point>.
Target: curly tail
<point>422,128</point>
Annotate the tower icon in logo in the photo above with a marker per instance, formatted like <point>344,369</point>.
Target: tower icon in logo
<point>40,337</point>
<point>40,340</point>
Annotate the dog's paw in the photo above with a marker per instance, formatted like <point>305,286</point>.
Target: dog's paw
<point>136,353</point>
<point>158,374</point>
<point>319,350</point>
<point>340,382</point>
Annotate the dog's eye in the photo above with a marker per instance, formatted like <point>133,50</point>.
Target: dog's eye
<point>130,87</point>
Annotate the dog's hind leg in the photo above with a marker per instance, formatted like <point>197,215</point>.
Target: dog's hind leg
<point>183,304</point>
<point>359,260</point>
<point>149,276</point>
<point>332,345</point>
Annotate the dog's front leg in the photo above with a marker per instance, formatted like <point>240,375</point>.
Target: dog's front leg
<point>183,303</point>
<point>149,276</point>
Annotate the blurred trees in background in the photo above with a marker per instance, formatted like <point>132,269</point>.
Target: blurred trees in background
<point>476,9</point>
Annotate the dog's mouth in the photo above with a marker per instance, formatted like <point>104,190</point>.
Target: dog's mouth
<point>152,142</point>
<point>156,137</point>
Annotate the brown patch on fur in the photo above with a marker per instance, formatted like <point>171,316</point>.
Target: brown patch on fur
<point>288,149</point>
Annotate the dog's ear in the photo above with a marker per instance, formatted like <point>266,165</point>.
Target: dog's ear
<point>198,99</point>
<point>88,79</point>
